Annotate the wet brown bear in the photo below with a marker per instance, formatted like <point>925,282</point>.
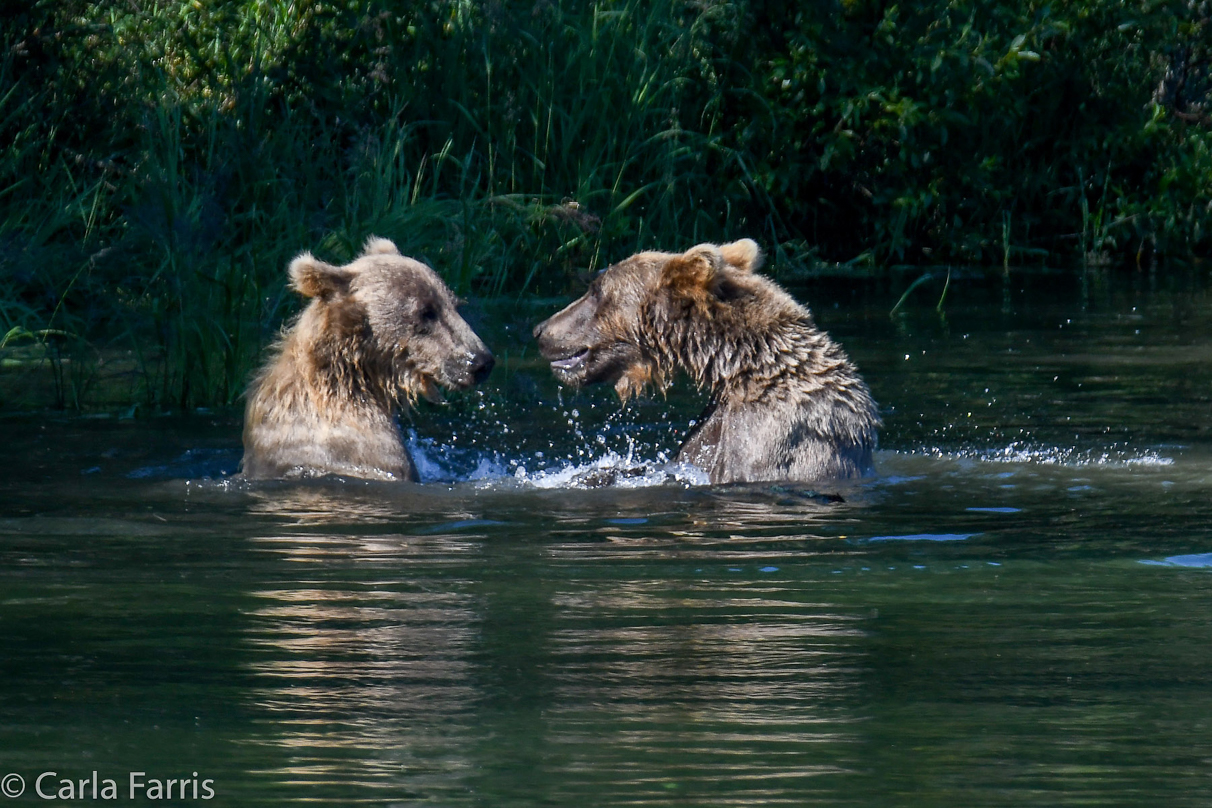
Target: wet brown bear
<point>786,403</point>
<point>377,333</point>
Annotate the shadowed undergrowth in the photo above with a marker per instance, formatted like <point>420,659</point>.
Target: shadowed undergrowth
<point>160,163</point>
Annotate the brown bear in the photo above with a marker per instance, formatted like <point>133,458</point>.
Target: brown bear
<point>377,333</point>
<point>785,402</point>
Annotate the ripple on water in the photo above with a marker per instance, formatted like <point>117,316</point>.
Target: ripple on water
<point>926,537</point>
<point>1195,560</point>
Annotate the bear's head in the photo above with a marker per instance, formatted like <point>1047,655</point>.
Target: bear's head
<point>654,312</point>
<point>386,322</point>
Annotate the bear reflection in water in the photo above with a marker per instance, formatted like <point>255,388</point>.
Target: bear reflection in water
<point>378,333</point>
<point>785,401</point>
<point>392,641</point>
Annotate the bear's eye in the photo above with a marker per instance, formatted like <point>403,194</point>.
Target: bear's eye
<point>429,313</point>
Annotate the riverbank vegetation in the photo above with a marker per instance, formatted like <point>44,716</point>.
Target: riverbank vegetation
<point>160,162</point>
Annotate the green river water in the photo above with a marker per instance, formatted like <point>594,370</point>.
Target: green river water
<point>1017,611</point>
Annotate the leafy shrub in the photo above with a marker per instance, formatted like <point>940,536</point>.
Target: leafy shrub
<point>160,162</point>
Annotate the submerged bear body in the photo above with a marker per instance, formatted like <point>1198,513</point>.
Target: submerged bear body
<point>785,401</point>
<point>378,333</point>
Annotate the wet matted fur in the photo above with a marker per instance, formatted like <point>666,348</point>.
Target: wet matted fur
<point>378,333</point>
<point>785,401</point>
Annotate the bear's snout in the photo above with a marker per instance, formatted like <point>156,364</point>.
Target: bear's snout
<point>565,332</point>
<point>481,366</point>
<point>468,369</point>
<point>551,346</point>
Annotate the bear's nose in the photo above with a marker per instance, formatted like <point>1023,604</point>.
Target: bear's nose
<point>538,330</point>
<point>482,366</point>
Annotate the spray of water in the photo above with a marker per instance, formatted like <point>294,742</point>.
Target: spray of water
<point>579,442</point>
<point>1115,456</point>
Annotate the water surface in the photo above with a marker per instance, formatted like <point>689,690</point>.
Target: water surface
<point>1016,611</point>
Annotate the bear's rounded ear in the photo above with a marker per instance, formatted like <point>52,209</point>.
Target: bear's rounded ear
<point>379,246</point>
<point>311,277</point>
<point>697,268</point>
<point>744,255</point>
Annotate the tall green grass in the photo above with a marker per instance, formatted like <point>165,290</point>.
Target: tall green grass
<point>226,146</point>
<point>161,162</point>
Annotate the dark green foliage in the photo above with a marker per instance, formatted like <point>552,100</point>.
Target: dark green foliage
<point>916,131</point>
<point>160,162</point>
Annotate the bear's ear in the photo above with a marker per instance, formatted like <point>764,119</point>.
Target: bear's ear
<point>697,268</point>
<point>744,255</point>
<point>311,277</point>
<point>379,246</point>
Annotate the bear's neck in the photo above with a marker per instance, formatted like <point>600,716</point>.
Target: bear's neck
<point>742,365</point>
<point>344,373</point>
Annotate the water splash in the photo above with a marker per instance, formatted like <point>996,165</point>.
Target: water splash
<point>582,441</point>
<point>439,462</point>
<point>613,470</point>
<point>1072,457</point>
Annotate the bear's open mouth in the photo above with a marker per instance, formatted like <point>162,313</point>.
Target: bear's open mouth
<point>570,362</point>
<point>430,390</point>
